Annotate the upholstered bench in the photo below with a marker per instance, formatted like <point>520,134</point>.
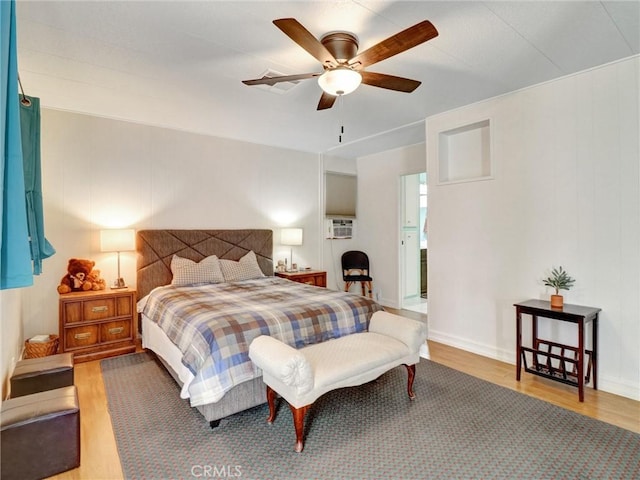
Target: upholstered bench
<point>40,434</point>
<point>33,375</point>
<point>302,376</point>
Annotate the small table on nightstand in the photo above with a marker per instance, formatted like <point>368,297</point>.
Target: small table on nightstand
<point>310,277</point>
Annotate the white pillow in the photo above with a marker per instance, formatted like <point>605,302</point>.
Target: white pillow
<point>244,269</point>
<point>188,272</point>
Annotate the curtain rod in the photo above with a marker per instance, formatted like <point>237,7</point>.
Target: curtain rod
<point>25,101</point>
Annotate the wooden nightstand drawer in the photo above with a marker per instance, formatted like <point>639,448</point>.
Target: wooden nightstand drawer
<point>99,309</point>
<point>83,336</point>
<point>113,331</point>
<point>124,306</point>
<point>72,312</point>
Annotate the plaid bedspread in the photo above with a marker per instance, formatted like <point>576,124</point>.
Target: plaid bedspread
<point>213,325</point>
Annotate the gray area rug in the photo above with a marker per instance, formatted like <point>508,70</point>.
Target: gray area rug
<point>457,427</point>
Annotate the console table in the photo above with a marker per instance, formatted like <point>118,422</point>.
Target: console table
<point>552,362</point>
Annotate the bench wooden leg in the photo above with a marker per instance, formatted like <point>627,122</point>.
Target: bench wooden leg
<point>298,421</point>
<point>411,370</point>
<point>298,417</point>
<point>271,400</point>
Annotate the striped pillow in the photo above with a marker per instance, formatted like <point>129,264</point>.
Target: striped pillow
<point>188,272</point>
<point>246,268</point>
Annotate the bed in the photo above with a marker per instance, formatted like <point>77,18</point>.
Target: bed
<point>201,333</point>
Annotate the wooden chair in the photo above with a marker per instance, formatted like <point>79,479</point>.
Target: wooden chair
<point>355,268</point>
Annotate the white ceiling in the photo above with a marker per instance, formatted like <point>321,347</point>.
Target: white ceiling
<point>179,64</point>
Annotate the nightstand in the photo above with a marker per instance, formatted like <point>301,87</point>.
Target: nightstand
<point>98,324</point>
<point>310,277</point>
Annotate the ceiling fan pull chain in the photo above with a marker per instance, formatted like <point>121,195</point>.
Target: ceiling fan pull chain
<point>341,118</point>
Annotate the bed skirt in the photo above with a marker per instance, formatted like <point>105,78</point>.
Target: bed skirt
<point>241,397</point>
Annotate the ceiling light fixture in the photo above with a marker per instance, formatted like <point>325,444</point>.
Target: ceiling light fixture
<point>339,81</point>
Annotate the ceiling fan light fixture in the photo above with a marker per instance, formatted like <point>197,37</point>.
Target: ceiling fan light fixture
<point>339,81</point>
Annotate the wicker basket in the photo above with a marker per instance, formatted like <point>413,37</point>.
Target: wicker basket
<point>41,349</point>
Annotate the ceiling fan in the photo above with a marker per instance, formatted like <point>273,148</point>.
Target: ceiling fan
<point>343,65</point>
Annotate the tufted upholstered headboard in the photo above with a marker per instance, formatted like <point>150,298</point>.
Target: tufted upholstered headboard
<point>156,248</point>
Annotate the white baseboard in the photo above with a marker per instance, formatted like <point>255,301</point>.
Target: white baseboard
<point>624,389</point>
<point>473,347</point>
<point>387,302</point>
<point>610,385</point>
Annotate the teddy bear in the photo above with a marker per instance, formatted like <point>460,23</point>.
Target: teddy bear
<point>78,277</point>
<point>97,282</point>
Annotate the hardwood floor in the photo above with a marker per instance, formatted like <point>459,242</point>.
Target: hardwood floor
<point>620,411</point>
<point>98,453</point>
<point>100,456</point>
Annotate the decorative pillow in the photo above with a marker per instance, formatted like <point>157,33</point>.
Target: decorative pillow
<point>244,269</point>
<point>188,272</point>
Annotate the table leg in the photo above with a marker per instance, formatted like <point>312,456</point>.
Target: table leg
<point>581,360</point>
<point>534,339</point>
<point>518,343</point>
<point>594,351</point>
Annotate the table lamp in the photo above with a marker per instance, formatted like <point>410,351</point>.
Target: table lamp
<point>118,240</point>
<point>291,237</point>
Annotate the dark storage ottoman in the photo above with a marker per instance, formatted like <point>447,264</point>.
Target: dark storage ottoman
<point>39,374</point>
<point>40,434</point>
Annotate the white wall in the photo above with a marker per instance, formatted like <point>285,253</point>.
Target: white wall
<point>332,249</point>
<point>379,214</point>
<point>99,172</point>
<point>566,191</point>
<point>11,344</point>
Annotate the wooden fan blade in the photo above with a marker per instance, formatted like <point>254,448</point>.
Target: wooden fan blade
<point>398,43</point>
<point>389,82</point>
<point>326,101</point>
<point>285,78</point>
<point>296,32</point>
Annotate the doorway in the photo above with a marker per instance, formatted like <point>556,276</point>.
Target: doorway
<point>413,242</point>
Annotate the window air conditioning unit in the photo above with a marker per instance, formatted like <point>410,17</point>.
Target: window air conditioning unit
<point>339,228</point>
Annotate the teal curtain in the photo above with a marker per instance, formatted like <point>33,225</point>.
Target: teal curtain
<point>15,255</point>
<point>30,132</point>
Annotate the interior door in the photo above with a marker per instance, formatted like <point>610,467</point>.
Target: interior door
<point>410,239</point>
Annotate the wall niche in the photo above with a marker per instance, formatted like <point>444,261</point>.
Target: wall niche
<point>464,153</point>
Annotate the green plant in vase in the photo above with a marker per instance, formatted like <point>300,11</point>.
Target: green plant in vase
<point>559,280</point>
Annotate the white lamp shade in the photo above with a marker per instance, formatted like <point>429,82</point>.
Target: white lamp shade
<point>339,81</point>
<point>291,236</point>
<point>121,240</point>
